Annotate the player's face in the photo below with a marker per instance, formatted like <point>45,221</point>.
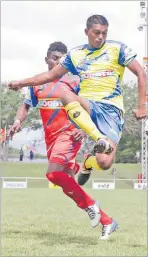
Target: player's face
<point>53,59</point>
<point>96,35</point>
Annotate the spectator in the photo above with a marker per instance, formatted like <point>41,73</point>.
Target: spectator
<point>21,155</point>
<point>113,172</point>
<point>31,155</point>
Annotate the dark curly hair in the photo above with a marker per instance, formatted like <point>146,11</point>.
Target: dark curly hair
<point>57,46</point>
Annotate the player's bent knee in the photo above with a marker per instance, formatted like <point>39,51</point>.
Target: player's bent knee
<point>56,167</point>
<point>52,166</point>
<point>103,162</point>
<point>105,165</point>
<point>50,176</point>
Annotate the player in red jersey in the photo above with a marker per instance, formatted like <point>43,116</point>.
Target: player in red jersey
<point>63,139</point>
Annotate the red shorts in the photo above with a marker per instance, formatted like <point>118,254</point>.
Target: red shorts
<point>63,150</point>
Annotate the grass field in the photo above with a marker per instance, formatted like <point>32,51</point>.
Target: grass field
<point>43,222</point>
<point>38,170</point>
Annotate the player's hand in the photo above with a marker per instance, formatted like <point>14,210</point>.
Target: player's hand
<point>15,85</point>
<point>78,134</point>
<point>140,113</point>
<point>16,127</point>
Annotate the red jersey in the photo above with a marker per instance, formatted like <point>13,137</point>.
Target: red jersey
<point>47,99</point>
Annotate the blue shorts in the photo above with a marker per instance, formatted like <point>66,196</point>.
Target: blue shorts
<point>108,119</point>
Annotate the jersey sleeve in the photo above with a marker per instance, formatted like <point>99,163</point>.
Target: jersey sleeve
<point>67,63</point>
<point>30,97</point>
<point>126,55</point>
<point>27,98</point>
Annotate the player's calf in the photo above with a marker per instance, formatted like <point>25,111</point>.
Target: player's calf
<point>99,162</point>
<point>104,161</point>
<point>84,175</point>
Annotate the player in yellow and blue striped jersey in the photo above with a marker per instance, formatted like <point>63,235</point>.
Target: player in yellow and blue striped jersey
<point>98,109</point>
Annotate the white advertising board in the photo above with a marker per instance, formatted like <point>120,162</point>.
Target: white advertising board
<point>103,185</point>
<point>15,184</point>
<point>140,186</point>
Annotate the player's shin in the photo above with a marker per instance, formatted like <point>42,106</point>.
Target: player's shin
<point>89,163</point>
<point>70,188</point>
<point>74,191</point>
<point>81,118</point>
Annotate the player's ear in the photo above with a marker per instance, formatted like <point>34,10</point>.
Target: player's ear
<point>46,60</point>
<point>86,32</point>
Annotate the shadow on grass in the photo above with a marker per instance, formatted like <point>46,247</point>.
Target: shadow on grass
<point>52,238</point>
<point>137,246</point>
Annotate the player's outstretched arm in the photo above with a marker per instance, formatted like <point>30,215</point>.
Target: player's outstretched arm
<point>40,79</point>
<point>137,69</point>
<point>20,117</point>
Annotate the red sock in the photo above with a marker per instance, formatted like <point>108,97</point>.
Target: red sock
<point>71,188</point>
<point>105,219</point>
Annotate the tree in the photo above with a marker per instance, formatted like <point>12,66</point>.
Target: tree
<point>131,138</point>
<point>9,104</point>
<point>130,96</point>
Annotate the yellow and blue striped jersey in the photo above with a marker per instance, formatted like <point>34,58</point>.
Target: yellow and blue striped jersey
<point>100,70</point>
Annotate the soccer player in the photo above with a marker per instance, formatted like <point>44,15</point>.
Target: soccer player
<point>100,64</point>
<point>62,139</point>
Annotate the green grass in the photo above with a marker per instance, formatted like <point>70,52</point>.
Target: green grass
<point>38,170</point>
<point>18,169</point>
<point>44,222</point>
